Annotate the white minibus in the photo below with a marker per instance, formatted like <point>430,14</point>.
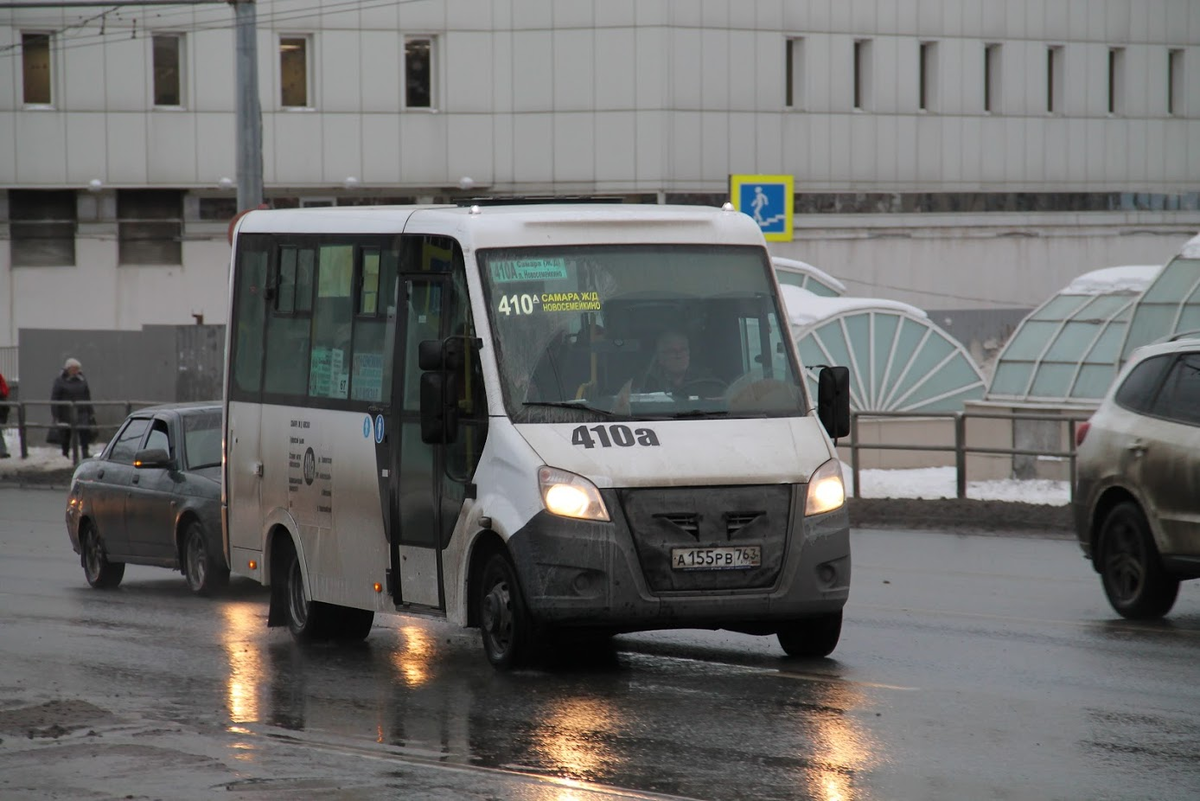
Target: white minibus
<point>545,421</point>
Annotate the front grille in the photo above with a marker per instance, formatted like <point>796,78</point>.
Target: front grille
<point>685,522</point>
<point>708,517</point>
<point>736,521</point>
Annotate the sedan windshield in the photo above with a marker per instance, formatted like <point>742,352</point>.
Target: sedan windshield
<point>202,439</point>
<point>639,332</point>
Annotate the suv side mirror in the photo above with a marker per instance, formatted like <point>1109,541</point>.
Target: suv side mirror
<point>833,400</point>
<point>152,457</point>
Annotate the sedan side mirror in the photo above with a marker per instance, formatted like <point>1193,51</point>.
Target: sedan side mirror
<point>153,457</point>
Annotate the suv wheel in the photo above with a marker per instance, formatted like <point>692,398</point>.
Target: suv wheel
<point>1134,579</point>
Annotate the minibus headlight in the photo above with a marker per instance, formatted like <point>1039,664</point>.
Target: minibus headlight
<point>568,495</point>
<point>826,491</point>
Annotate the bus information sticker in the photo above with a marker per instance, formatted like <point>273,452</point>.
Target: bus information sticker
<point>525,303</point>
<point>510,270</point>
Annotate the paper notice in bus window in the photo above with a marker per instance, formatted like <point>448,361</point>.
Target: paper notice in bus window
<point>368,377</point>
<point>509,270</point>
<point>327,375</point>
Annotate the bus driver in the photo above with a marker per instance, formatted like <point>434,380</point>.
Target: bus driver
<point>671,369</point>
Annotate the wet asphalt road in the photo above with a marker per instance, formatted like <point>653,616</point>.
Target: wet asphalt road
<point>970,667</point>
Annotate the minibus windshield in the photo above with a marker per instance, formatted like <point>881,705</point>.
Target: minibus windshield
<point>639,332</point>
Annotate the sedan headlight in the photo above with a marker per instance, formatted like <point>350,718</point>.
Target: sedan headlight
<point>568,495</point>
<point>826,491</point>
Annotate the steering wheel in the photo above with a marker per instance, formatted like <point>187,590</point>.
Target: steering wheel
<point>703,387</point>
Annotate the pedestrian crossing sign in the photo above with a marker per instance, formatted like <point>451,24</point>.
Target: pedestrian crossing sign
<point>766,198</point>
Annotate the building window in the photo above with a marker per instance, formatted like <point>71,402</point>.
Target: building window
<point>927,68</point>
<point>1116,79</point>
<point>794,77</point>
<point>167,51</point>
<point>1054,79</point>
<point>41,227</point>
<point>293,72</point>
<point>149,226</point>
<point>862,73</point>
<point>35,68</point>
<point>418,72</point>
<point>991,78</point>
<point>1174,82</point>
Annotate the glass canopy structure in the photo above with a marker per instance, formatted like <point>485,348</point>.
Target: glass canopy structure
<point>1170,305</point>
<point>791,272</point>
<point>898,359</point>
<point>1068,350</point>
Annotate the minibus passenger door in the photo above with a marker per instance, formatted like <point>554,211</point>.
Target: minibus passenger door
<point>414,485</point>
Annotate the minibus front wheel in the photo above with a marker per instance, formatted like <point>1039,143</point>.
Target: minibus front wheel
<point>812,637</point>
<point>509,634</point>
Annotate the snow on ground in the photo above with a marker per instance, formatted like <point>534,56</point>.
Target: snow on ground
<point>926,482</point>
<point>940,482</point>
<point>41,457</point>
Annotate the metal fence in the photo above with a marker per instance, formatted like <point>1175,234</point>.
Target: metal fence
<point>960,446</point>
<point>75,423</point>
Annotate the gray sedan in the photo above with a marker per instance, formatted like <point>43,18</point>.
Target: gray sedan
<point>153,497</point>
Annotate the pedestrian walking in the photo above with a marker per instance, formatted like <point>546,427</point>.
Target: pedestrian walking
<point>71,385</point>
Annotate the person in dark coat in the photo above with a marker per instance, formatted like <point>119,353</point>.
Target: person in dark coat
<point>4,454</point>
<point>71,385</point>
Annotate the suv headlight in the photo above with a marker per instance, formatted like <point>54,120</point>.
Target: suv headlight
<point>569,495</point>
<point>826,491</point>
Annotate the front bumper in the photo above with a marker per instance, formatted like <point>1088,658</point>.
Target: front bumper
<point>607,575</point>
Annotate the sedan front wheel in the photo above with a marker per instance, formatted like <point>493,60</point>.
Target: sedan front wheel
<point>203,568</point>
<point>100,573</point>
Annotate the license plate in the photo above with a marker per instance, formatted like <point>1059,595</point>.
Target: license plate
<point>723,558</point>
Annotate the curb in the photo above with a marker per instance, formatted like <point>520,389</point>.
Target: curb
<point>964,516</point>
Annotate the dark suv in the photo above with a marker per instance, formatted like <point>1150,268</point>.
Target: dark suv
<point>1137,496</point>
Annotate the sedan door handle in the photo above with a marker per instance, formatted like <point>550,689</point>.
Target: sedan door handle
<point>135,479</point>
<point>1137,447</point>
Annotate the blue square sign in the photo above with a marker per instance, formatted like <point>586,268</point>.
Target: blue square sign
<point>768,200</point>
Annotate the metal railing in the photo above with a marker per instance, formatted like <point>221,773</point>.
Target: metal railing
<point>960,448</point>
<point>99,433</point>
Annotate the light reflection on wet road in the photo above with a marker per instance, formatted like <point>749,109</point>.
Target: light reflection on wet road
<point>970,667</point>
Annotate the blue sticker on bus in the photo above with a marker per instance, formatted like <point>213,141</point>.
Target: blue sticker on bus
<point>507,270</point>
<point>379,428</point>
<point>367,427</point>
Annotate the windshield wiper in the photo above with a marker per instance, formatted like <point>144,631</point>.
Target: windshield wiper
<point>699,413</point>
<point>570,405</point>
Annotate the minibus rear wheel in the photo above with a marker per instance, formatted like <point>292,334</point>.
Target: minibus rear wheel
<point>811,637</point>
<point>509,635</point>
<point>308,621</point>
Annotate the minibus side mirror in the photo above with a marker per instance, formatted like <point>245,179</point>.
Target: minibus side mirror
<point>833,400</point>
<point>439,410</point>
<point>440,360</point>
<point>429,354</point>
